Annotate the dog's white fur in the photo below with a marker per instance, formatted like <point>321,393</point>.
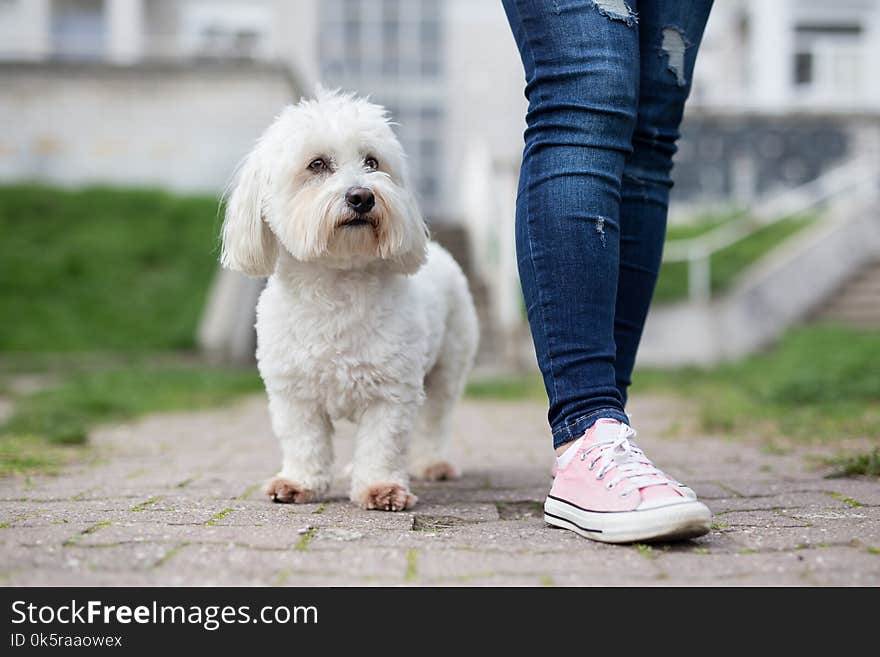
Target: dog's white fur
<point>370,322</point>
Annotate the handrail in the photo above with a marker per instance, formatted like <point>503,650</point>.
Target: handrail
<point>858,173</point>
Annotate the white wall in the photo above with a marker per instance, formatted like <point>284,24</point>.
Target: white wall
<point>24,29</point>
<point>183,128</point>
<point>294,38</point>
<point>486,107</point>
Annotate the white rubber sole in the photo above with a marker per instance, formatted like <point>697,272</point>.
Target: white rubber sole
<point>675,522</point>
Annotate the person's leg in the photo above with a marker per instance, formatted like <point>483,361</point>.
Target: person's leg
<point>582,68</point>
<point>669,36</point>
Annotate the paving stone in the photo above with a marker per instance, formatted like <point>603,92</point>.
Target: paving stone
<point>280,565</point>
<point>85,559</point>
<point>588,567</point>
<point>842,566</point>
<point>175,499</point>
<point>14,537</point>
<point>814,537</point>
<point>863,490</point>
<point>794,499</point>
<point>732,569</point>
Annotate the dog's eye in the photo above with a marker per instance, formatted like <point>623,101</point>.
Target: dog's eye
<point>371,163</point>
<point>317,165</point>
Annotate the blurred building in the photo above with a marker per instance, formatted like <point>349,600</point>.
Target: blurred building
<point>406,54</point>
<point>448,69</point>
<point>790,55</point>
<point>172,93</point>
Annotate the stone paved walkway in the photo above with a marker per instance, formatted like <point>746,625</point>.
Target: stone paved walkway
<point>174,500</point>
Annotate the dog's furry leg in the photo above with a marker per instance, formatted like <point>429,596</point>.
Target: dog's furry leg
<point>429,450</point>
<point>305,432</point>
<point>444,385</point>
<point>379,479</point>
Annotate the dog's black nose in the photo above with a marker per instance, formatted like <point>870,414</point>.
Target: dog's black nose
<point>360,199</point>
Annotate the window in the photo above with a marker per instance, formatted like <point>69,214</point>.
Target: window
<point>220,30</point>
<point>803,68</point>
<point>828,61</point>
<point>393,50</point>
<point>78,29</point>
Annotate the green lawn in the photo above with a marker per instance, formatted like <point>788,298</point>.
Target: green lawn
<point>46,421</point>
<point>818,384</point>
<point>727,264</point>
<point>62,413</point>
<point>103,269</point>
<point>102,290</point>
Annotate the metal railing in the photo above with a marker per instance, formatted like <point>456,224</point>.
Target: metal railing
<point>855,176</point>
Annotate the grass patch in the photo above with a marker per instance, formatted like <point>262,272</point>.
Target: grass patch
<point>103,268</point>
<point>867,464</point>
<point>22,453</point>
<point>62,414</point>
<point>818,384</point>
<point>106,287</point>
<point>506,389</point>
<point>727,264</point>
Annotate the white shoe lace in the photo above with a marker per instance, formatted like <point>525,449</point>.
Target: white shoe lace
<point>630,463</point>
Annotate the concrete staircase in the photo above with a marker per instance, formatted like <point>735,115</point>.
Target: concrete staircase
<point>857,301</point>
<point>831,269</point>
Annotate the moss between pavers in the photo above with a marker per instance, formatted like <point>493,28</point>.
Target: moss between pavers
<point>73,540</point>
<point>850,502</point>
<point>412,565</point>
<point>218,516</point>
<point>247,493</point>
<point>143,505</point>
<point>165,558</point>
<point>645,550</point>
<point>303,543</point>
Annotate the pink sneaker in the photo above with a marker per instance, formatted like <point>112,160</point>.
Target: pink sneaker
<point>606,489</point>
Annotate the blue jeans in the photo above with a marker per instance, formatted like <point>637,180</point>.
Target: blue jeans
<point>606,83</point>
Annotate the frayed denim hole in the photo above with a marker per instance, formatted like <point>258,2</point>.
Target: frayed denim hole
<point>599,223</point>
<point>616,10</point>
<point>673,47</point>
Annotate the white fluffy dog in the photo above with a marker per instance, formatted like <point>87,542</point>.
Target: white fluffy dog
<point>362,317</point>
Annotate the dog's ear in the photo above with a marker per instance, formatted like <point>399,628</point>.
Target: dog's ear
<point>409,243</point>
<point>249,245</point>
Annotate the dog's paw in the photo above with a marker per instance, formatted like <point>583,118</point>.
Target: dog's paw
<point>386,497</point>
<point>438,471</point>
<point>285,491</point>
